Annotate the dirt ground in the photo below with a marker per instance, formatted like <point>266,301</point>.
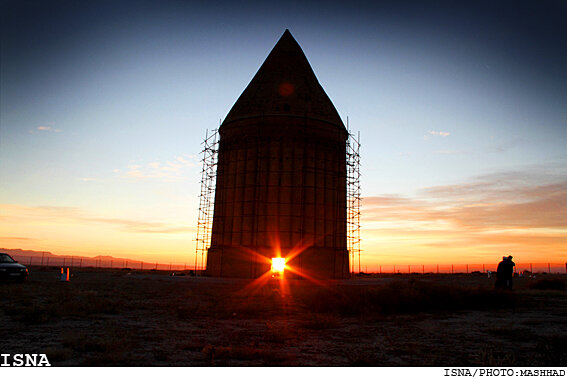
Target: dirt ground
<point>135,318</point>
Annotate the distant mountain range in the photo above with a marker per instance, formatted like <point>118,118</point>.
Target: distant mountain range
<point>32,257</point>
<point>33,253</point>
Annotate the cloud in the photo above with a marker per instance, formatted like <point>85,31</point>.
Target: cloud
<point>524,210</point>
<point>479,206</point>
<point>498,207</point>
<point>13,213</point>
<point>135,226</point>
<point>188,160</point>
<point>19,239</point>
<point>184,161</point>
<point>44,128</point>
<point>172,170</point>
<point>438,133</point>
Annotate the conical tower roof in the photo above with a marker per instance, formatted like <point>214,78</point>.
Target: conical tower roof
<point>285,85</point>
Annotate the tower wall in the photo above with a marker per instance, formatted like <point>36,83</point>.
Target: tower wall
<point>281,184</point>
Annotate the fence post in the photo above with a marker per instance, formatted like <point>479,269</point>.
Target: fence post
<point>452,269</point>
<point>423,269</point>
<point>467,268</point>
<point>42,255</point>
<point>531,269</point>
<point>47,264</point>
<point>409,270</point>
<point>483,270</point>
<point>81,262</point>
<point>437,268</point>
<point>549,268</point>
<point>394,269</point>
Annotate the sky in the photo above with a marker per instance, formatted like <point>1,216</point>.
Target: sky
<point>461,108</point>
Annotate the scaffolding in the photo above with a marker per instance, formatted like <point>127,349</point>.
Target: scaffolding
<point>353,199</point>
<point>206,198</point>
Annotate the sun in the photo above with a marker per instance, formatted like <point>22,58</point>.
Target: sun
<point>278,265</point>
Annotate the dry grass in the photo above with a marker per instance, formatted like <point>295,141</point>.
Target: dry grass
<point>223,355</point>
<point>556,284</point>
<point>399,297</point>
<point>315,321</point>
<point>58,304</point>
<point>134,318</point>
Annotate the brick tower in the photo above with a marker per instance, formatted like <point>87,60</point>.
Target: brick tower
<point>281,175</point>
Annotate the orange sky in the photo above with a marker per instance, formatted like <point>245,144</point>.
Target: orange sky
<point>476,222</point>
<point>473,222</point>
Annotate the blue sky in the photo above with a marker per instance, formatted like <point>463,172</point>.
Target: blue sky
<point>103,106</point>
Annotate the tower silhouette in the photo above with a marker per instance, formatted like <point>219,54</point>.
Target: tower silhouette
<point>281,175</point>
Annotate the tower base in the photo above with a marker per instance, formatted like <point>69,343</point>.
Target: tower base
<point>251,263</point>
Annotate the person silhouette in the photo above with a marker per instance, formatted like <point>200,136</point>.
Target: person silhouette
<point>505,273</point>
<point>501,274</point>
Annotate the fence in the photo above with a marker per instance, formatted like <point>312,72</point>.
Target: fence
<point>464,268</point>
<point>117,263</point>
<point>461,268</point>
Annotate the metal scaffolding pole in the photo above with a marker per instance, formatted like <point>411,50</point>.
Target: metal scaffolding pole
<point>353,198</point>
<point>206,198</point>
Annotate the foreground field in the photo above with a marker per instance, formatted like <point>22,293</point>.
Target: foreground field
<point>133,318</point>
